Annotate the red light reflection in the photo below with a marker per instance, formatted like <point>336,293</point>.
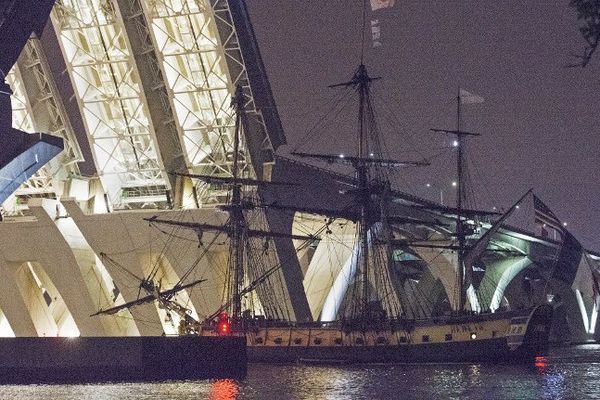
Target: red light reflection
<point>224,389</point>
<point>541,364</point>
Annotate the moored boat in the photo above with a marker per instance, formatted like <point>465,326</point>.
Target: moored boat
<point>508,337</point>
<point>365,333</point>
<point>372,319</point>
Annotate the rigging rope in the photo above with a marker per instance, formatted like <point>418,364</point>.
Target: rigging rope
<point>337,105</point>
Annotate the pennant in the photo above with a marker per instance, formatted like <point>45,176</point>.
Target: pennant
<point>469,98</point>
<point>376,33</point>
<point>378,4</point>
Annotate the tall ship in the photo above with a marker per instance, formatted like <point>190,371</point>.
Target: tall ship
<point>305,261</point>
<point>374,319</point>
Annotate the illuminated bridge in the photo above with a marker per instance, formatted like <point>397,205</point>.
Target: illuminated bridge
<point>138,89</point>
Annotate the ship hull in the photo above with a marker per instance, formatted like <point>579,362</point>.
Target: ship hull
<point>492,350</point>
<point>514,339</point>
<point>99,359</point>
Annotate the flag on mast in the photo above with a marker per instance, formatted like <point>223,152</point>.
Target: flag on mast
<point>586,278</point>
<point>378,4</point>
<point>468,97</point>
<point>544,216</point>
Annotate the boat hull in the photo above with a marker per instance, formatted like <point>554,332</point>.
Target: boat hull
<point>98,359</point>
<point>491,350</point>
<point>518,339</point>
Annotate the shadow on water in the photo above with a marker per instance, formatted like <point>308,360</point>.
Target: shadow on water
<point>567,373</point>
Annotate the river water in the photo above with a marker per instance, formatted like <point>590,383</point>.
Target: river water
<point>567,373</point>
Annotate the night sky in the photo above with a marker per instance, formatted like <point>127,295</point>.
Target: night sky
<point>538,122</point>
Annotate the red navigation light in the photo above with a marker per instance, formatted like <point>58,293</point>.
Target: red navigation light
<point>223,325</point>
<point>224,328</point>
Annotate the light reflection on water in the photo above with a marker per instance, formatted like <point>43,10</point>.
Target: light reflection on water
<point>224,389</point>
<point>568,373</point>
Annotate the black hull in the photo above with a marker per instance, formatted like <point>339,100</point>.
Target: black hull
<point>100,359</point>
<point>493,350</point>
<point>511,348</point>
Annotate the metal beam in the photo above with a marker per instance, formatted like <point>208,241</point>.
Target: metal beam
<point>111,98</point>
<point>160,107</point>
<point>194,62</point>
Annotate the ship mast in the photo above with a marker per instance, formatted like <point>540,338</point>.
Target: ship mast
<point>235,228</point>
<point>459,197</point>
<point>362,170</point>
<point>361,163</point>
<point>236,214</point>
<point>462,269</point>
<point>361,81</point>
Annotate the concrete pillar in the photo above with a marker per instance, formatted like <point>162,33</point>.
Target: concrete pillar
<point>12,302</point>
<point>331,254</point>
<point>497,277</point>
<point>60,265</point>
<point>107,234</point>
<point>442,264</point>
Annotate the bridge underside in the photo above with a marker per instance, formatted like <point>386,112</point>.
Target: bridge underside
<point>22,156</point>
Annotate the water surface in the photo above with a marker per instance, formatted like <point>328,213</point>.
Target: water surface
<point>567,373</point>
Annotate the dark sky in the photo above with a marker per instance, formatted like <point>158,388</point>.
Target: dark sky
<point>539,122</point>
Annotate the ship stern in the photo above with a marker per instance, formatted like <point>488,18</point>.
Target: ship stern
<point>528,337</point>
